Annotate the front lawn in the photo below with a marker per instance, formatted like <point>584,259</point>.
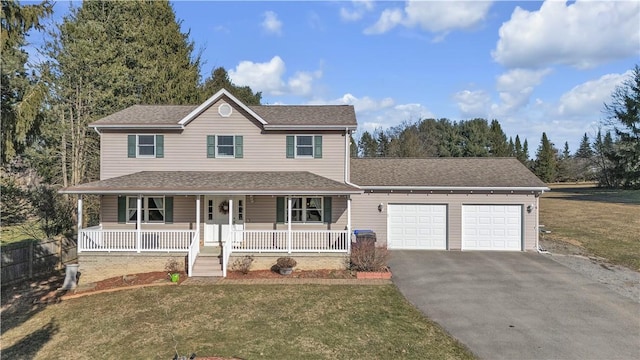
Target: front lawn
<point>245,321</point>
<point>605,223</point>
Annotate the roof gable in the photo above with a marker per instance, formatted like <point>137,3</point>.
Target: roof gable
<point>212,100</point>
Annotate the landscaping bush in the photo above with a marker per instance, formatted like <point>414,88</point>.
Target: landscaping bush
<point>367,257</point>
<point>242,264</point>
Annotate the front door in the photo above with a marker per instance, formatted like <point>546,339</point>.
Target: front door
<point>216,212</point>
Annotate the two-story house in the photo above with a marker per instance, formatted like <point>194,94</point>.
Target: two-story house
<point>266,180</point>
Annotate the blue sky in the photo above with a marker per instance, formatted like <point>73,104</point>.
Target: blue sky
<point>534,66</point>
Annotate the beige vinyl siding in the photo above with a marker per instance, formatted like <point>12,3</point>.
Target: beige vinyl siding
<point>259,214</point>
<point>187,150</point>
<point>365,214</point>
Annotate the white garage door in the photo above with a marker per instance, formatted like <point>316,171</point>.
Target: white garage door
<point>491,227</point>
<point>417,226</point>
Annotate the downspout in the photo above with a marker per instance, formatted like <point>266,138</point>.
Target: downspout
<point>540,251</point>
<point>347,158</point>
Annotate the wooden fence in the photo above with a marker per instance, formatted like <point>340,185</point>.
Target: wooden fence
<point>26,260</point>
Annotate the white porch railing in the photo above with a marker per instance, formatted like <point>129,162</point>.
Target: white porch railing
<point>194,250</point>
<point>323,241</point>
<point>227,249</point>
<point>98,239</point>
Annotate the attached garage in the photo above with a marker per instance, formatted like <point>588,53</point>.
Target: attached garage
<point>492,227</point>
<point>417,226</point>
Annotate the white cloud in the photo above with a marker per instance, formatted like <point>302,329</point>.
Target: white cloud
<point>433,16</point>
<point>582,34</point>
<point>271,24</point>
<point>473,104</point>
<point>515,88</point>
<point>268,77</point>
<point>587,99</point>
<point>357,11</point>
<point>365,104</point>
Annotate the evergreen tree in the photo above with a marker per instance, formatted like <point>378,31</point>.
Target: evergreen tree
<point>624,116</point>
<point>512,147</point>
<point>367,145</point>
<point>525,152</point>
<point>565,153</point>
<point>23,94</point>
<point>545,164</point>
<point>353,147</point>
<point>220,80</point>
<point>498,140</point>
<point>603,148</point>
<point>383,143</point>
<point>584,150</point>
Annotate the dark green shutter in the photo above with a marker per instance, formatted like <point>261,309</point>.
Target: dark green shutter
<point>238,152</point>
<point>290,147</point>
<point>131,146</point>
<point>122,209</point>
<point>317,151</point>
<point>211,146</point>
<point>159,146</point>
<point>327,210</point>
<point>279,209</point>
<point>168,209</point>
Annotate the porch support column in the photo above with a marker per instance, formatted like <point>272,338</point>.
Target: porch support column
<point>197,218</point>
<point>230,219</point>
<point>348,224</point>
<point>138,222</point>
<point>289,225</point>
<point>79,222</point>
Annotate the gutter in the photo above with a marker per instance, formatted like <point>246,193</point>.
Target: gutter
<point>455,188</point>
<point>347,158</point>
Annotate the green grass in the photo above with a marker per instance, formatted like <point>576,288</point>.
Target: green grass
<point>17,233</point>
<point>605,223</point>
<point>252,321</point>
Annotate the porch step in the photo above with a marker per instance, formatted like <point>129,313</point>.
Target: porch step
<point>207,266</point>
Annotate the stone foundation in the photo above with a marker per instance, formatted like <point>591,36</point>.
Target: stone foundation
<point>305,261</point>
<point>99,266</point>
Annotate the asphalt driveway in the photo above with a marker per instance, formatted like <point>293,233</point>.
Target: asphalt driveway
<point>510,305</point>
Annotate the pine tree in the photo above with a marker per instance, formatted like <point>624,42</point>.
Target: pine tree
<point>545,164</point>
<point>512,147</point>
<point>584,150</point>
<point>498,140</point>
<point>383,143</point>
<point>624,116</point>
<point>565,153</point>
<point>220,80</point>
<point>23,94</point>
<point>367,145</point>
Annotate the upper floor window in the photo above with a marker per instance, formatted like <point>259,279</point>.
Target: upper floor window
<point>225,146</point>
<point>304,146</point>
<point>145,146</point>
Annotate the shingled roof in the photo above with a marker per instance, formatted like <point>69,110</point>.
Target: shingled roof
<point>272,116</point>
<point>438,173</point>
<point>215,182</point>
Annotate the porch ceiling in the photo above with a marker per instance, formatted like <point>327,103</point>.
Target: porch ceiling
<point>216,182</point>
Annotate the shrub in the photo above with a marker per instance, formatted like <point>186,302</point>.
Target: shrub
<point>242,264</point>
<point>286,262</point>
<point>172,266</point>
<point>366,257</point>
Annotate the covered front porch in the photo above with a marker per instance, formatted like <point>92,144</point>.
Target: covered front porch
<point>244,221</point>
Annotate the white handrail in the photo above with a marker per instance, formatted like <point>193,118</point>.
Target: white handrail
<point>94,239</point>
<point>227,248</point>
<point>194,250</point>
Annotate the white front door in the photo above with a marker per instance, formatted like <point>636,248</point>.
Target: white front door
<point>216,212</point>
